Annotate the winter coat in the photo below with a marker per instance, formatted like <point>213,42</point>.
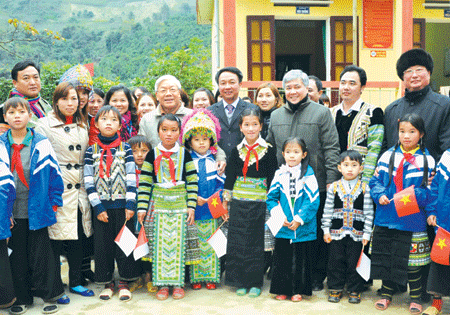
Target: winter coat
<point>7,196</point>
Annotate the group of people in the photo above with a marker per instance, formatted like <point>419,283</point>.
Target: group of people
<point>75,173</point>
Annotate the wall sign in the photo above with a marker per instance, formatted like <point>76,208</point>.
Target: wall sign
<point>302,10</point>
<point>378,28</point>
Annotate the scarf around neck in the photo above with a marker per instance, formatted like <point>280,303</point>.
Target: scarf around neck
<point>34,102</point>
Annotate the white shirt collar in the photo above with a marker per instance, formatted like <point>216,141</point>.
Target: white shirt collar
<point>356,107</point>
<point>295,170</point>
<point>349,184</point>
<point>260,141</point>
<point>174,149</point>
<point>234,104</point>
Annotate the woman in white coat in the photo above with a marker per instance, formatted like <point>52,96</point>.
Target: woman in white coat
<point>66,129</point>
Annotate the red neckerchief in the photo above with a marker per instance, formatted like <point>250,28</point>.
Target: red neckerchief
<point>171,164</point>
<point>247,158</point>
<point>16,162</point>
<point>93,132</point>
<point>398,179</point>
<point>69,120</point>
<point>138,172</point>
<point>109,158</point>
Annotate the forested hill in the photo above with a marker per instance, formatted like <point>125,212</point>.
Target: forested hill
<point>118,36</point>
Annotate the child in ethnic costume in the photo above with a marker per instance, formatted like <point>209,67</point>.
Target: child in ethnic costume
<point>169,179</point>
<point>347,226</point>
<point>39,189</point>
<point>250,170</point>
<point>110,179</point>
<point>439,276</point>
<point>7,196</point>
<point>295,188</point>
<point>402,242</point>
<point>200,134</point>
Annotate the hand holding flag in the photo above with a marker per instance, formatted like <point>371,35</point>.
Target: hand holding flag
<point>141,248</point>
<point>126,240</point>
<point>215,205</point>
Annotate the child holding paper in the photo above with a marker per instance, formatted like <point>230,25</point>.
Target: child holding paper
<point>250,171</point>
<point>295,189</point>
<point>200,134</point>
<point>347,226</point>
<point>169,180</point>
<point>110,179</point>
<point>400,244</point>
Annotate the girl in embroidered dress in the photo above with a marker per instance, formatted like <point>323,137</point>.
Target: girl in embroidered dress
<point>402,241</point>
<point>200,134</point>
<point>120,97</point>
<point>295,188</point>
<point>169,179</point>
<point>250,170</point>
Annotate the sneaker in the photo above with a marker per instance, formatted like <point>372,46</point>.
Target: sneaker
<point>335,296</point>
<point>354,298</point>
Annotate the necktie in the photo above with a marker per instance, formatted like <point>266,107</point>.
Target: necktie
<point>230,109</point>
<point>251,149</point>
<point>166,155</point>
<point>16,162</point>
<point>398,179</point>
<point>109,158</point>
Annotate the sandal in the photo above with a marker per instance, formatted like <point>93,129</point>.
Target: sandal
<point>415,308</point>
<point>210,286</point>
<point>49,308</point>
<point>178,293</point>
<point>281,297</point>
<point>241,291</point>
<point>296,298</point>
<point>18,309</point>
<point>107,292</point>
<point>151,288</point>
<point>431,310</point>
<point>382,304</point>
<point>136,285</point>
<point>162,294</point>
<point>254,292</point>
<point>196,286</point>
<point>125,294</point>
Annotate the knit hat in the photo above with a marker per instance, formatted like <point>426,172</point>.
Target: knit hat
<point>201,121</point>
<point>414,57</point>
<point>78,76</point>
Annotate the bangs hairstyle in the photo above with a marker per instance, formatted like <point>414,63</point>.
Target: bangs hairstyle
<point>352,155</point>
<point>417,122</point>
<point>99,92</point>
<point>187,143</point>
<point>138,141</point>
<point>251,112</point>
<point>16,102</point>
<point>208,94</point>
<point>146,94</point>
<point>131,104</point>
<point>302,144</point>
<point>275,92</point>
<point>106,109</point>
<point>170,117</point>
<point>61,91</point>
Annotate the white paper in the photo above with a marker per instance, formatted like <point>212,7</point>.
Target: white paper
<point>127,241</point>
<point>140,251</point>
<point>218,242</point>
<point>277,217</point>
<point>9,251</point>
<point>364,267</point>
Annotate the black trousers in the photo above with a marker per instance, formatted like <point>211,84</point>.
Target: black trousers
<point>74,252</point>
<point>320,248</point>
<point>7,294</point>
<point>106,250</point>
<point>292,265</point>
<point>343,258</point>
<point>33,264</point>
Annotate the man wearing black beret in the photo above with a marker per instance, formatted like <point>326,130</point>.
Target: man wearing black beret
<point>414,67</point>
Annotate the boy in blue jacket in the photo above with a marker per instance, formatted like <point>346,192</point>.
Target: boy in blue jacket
<point>39,189</point>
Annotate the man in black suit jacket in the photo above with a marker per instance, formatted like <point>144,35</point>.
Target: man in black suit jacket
<point>230,108</point>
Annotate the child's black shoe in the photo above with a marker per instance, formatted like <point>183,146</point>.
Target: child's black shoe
<point>335,296</point>
<point>354,298</point>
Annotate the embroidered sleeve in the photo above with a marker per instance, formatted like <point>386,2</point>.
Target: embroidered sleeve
<point>146,182</point>
<point>374,142</point>
<point>190,173</point>
<point>89,183</point>
<point>131,178</point>
<point>328,210</point>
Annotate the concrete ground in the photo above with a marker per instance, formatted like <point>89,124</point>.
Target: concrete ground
<point>224,301</point>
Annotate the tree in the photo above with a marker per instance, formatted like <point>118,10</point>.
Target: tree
<point>189,65</point>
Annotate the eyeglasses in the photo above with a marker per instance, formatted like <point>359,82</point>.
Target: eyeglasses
<point>417,71</point>
<point>172,90</point>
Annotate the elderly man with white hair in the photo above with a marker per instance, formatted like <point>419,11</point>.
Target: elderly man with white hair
<point>168,94</point>
<point>302,118</point>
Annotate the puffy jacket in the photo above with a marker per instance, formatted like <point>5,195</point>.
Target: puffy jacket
<point>46,185</point>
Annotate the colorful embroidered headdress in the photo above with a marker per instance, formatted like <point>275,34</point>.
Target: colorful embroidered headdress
<point>79,76</point>
<point>201,121</point>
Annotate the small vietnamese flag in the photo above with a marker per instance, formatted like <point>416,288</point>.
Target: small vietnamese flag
<point>440,252</point>
<point>126,240</point>
<point>405,202</point>
<point>215,206</point>
<point>141,246</point>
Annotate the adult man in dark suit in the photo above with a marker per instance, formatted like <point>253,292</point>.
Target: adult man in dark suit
<point>230,108</point>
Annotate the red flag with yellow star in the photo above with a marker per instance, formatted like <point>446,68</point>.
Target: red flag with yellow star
<point>440,252</point>
<point>215,205</point>
<point>405,202</point>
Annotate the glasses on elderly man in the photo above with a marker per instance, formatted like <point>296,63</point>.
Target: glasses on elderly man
<point>417,71</point>
<point>172,90</point>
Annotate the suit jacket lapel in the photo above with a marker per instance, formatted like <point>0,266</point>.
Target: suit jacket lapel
<point>221,113</point>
